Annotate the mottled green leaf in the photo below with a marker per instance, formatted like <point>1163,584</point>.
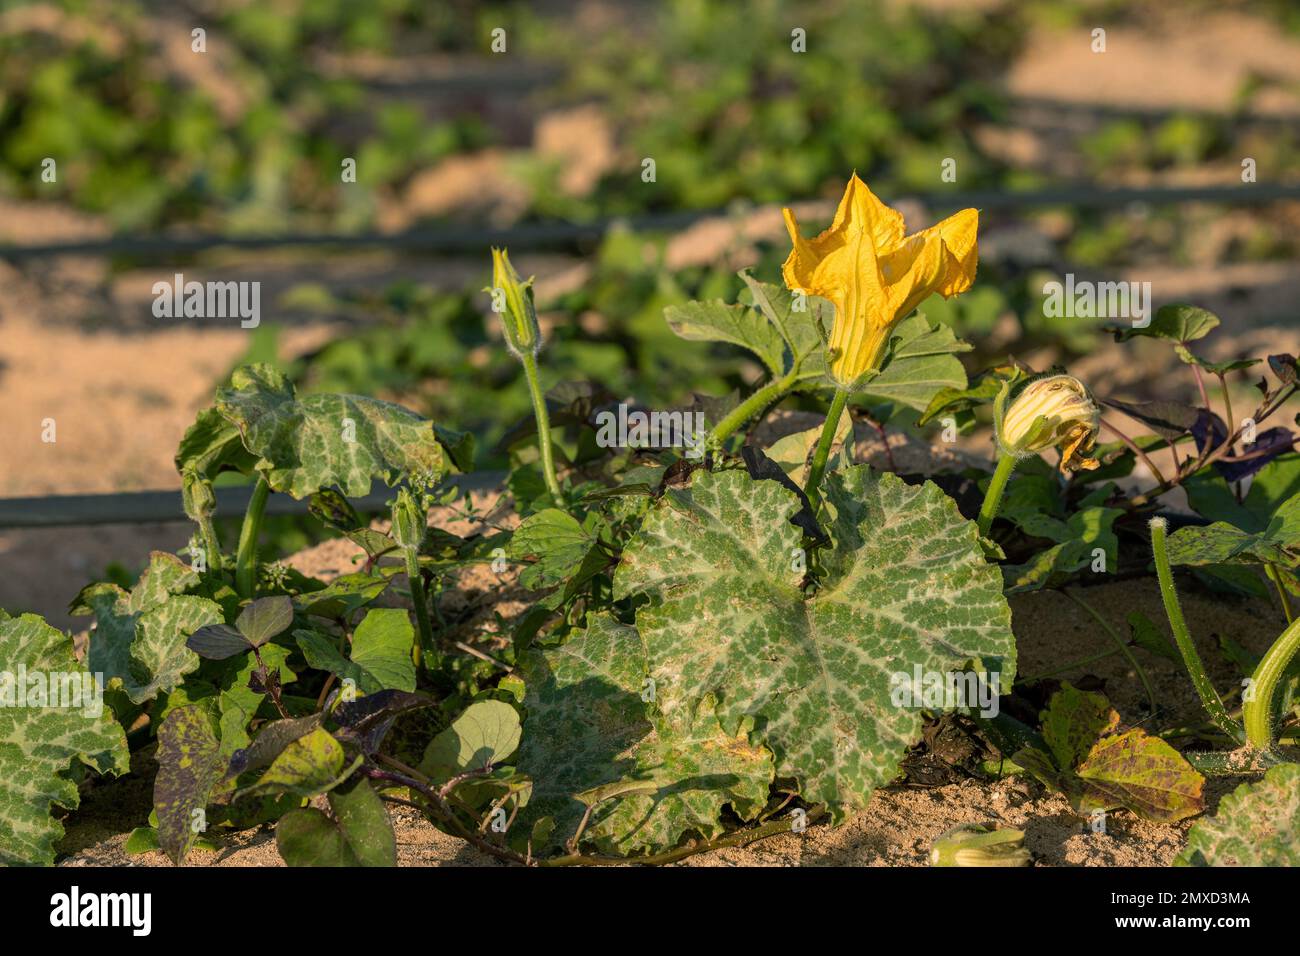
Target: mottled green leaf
<point>1258,824</point>
<point>140,637</point>
<point>42,737</point>
<point>1223,543</point>
<point>1144,774</point>
<point>327,441</point>
<point>1073,722</point>
<point>309,765</point>
<point>589,733</point>
<point>190,765</point>
<point>905,585</point>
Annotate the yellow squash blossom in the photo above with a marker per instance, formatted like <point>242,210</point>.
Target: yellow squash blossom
<point>1045,412</point>
<point>875,275</point>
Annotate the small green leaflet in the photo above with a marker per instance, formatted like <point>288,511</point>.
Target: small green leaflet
<point>380,653</point>
<point>560,545</point>
<point>309,765</point>
<point>906,585</point>
<point>360,832</point>
<point>1177,323</point>
<point>1258,824</point>
<point>486,734</point>
<point>1078,539</point>
<point>40,741</point>
<point>328,441</point>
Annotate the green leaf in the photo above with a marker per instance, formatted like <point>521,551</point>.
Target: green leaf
<point>1073,722</point>
<point>1177,323</point>
<point>343,596</point>
<point>190,766</point>
<point>588,738</point>
<point>905,585</point>
<point>309,765</point>
<point>487,733</point>
<point>1143,774</point>
<point>1216,368</point>
<point>1077,539</point>
<point>737,324</point>
<point>359,834</point>
<point>328,441</point>
<point>1148,637</point>
<point>1256,825</point>
<point>797,328</point>
<point>1098,769</point>
<point>264,618</point>
<point>217,642</point>
<point>380,652</point>
<point>140,637</point>
<point>921,363</point>
<point>1222,543</point>
<point>557,541</point>
<point>39,743</point>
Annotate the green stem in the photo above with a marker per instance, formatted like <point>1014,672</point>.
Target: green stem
<point>1257,712</point>
<point>529,361</point>
<point>993,497</point>
<point>211,544</point>
<point>1121,645</point>
<point>1276,577</point>
<point>1191,659</point>
<point>246,559</point>
<point>754,405</point>
<point>420,599</point>
<point>823,452</point>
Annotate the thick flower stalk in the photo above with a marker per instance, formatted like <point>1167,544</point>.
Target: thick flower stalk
<point>1048,411</point>
<point>512,299</point>
<point>874,274</point>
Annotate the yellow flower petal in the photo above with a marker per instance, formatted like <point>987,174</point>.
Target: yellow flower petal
<point>874,274</point>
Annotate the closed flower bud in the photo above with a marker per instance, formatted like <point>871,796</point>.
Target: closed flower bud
<point>197,496</point>
<point>409,520</point>
<point>512,299</point>
<point>1052,411</point>
<point>973,845</point>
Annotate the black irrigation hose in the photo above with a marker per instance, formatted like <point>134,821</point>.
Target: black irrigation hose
<point>561,235</point>
<point>141,507</point>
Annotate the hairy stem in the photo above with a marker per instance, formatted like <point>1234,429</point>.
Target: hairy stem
<point>1257,711</point>
<point>529,361</point>
<point>246,559</point>
<point>753,406</point>
<point>823,452</point>
<point>1133,446</point>
<point>1191,659</point>
<point>993,497</point>
<point>424,637</point>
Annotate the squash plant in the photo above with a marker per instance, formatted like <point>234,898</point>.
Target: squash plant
<point>714,647</point>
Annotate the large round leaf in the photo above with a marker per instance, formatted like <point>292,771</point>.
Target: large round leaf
<point>718,572</point>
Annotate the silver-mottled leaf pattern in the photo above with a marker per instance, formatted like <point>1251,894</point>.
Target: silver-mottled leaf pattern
<point>905,584</point>
<point>38,744</point>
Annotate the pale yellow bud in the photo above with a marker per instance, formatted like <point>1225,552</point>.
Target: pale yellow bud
<point>1052,411</point>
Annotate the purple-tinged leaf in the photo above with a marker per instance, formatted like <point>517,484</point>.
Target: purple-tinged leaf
<point>217,642</point>
<point>1267,446</point>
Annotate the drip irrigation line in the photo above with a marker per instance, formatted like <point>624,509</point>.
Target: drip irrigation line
<point>143,507</point>
<point>562,235</point>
